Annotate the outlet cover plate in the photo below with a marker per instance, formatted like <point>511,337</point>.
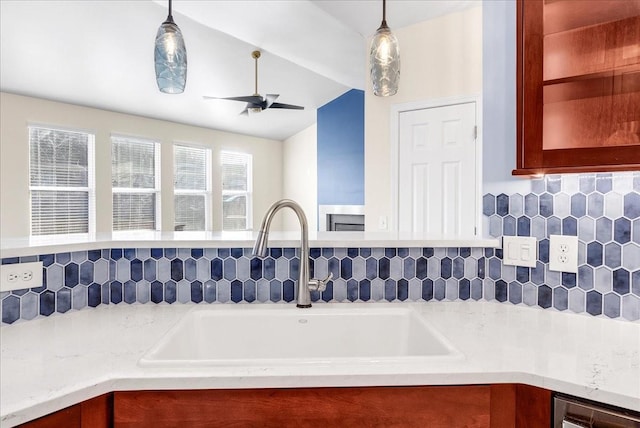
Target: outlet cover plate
<point>19,276</point>
<point>563,253</point>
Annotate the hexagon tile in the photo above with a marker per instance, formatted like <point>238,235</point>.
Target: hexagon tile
<point>603,210</point>
<point>231,275</point>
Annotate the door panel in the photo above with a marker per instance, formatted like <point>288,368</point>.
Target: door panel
<point>437,170</point>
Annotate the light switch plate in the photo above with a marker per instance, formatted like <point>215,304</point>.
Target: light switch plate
<point>19,276</point>
<point>563,253</point>
<point>519,251</point>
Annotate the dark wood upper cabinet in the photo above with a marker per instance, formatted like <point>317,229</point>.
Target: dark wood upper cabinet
<point>578,77</point>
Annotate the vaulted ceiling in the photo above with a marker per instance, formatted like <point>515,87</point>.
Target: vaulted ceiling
<point>99,53</point>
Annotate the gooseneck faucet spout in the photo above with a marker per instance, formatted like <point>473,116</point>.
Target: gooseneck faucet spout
<point>260,250</point>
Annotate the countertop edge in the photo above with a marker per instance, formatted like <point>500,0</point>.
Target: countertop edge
<point>28,247</point>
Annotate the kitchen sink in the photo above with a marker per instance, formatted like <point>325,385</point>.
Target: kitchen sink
<point>283,334</point>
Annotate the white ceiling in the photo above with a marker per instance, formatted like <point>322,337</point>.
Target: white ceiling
<point>99,53</point>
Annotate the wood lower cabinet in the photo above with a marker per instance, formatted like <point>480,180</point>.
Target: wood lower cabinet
<point>69,417</point>
<point>496,406</point>
<point>490,406</point>
<point>94,413</point>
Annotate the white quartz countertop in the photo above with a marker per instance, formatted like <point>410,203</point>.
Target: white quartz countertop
<point>51,363</point>
<point>18,247</point>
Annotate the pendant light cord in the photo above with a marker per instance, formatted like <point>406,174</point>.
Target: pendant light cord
<point>384,11</point>
<point>384,15</point>
<point>169,17</point>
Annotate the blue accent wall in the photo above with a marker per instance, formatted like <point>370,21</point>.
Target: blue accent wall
<point>341,150</point>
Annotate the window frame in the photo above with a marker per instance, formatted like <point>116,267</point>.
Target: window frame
<point>156,190</point>
<point>207,193</point>
<point>247,193</point>
<point>90,189</point>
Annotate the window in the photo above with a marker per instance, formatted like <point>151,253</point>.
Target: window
<point>61,182</point>
<point>192,192</point>
<point>236,191</point>
<point>135,168</point>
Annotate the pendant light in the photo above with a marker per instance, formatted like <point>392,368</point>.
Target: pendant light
<point>170,57</point>
<point>384,59</point>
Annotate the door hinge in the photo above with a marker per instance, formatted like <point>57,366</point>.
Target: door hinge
<point>475,132</point>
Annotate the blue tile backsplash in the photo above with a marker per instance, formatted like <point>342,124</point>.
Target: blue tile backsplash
<point>603,210</point>
<point>231,275</point>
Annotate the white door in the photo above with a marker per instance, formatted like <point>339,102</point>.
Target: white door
<point>437,170</point>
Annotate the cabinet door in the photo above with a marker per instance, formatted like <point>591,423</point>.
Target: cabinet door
<point>68,418</point>
<point>401,407</point>
<point>578,86</point>
<point>94,413</point>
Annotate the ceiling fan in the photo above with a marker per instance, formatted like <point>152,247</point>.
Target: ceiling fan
<point>256,103</point>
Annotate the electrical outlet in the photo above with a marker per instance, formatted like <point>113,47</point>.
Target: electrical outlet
<point>20,275</point>
<point>563,253</point>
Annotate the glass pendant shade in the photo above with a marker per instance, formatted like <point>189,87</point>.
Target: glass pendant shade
<point>170,58</point>
<point>385,62</point>
<point>384,59</point>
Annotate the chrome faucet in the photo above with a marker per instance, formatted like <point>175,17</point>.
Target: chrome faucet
<point>305,285</point>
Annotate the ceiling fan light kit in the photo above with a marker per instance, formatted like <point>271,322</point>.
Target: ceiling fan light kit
<point>384,59</point>
<point>256,103</point>
<point>170,55</point>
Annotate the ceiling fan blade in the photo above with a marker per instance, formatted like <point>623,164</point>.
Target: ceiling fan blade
<point>287,106</point>
<point>253,99</point>
<point>255,102</point>
<point>270,99</point>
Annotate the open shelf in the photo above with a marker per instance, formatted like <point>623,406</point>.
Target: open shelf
<point>604,74</point>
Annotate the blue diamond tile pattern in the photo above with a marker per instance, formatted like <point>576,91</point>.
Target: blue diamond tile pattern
<point>600,209</point>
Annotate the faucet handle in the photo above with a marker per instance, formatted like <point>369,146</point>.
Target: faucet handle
<point>320,284</point>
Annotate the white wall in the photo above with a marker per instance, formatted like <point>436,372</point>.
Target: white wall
<point>439,58</point>
<point>300,176</point>
<point>16,112</point>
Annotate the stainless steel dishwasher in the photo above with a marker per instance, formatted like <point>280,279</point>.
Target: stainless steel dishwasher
<point>572,413</point>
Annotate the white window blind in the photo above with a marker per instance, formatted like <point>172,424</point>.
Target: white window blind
<point>192,192</point>
<point>61,181</point>
<point>135,168</point>
<point>236,190</point>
